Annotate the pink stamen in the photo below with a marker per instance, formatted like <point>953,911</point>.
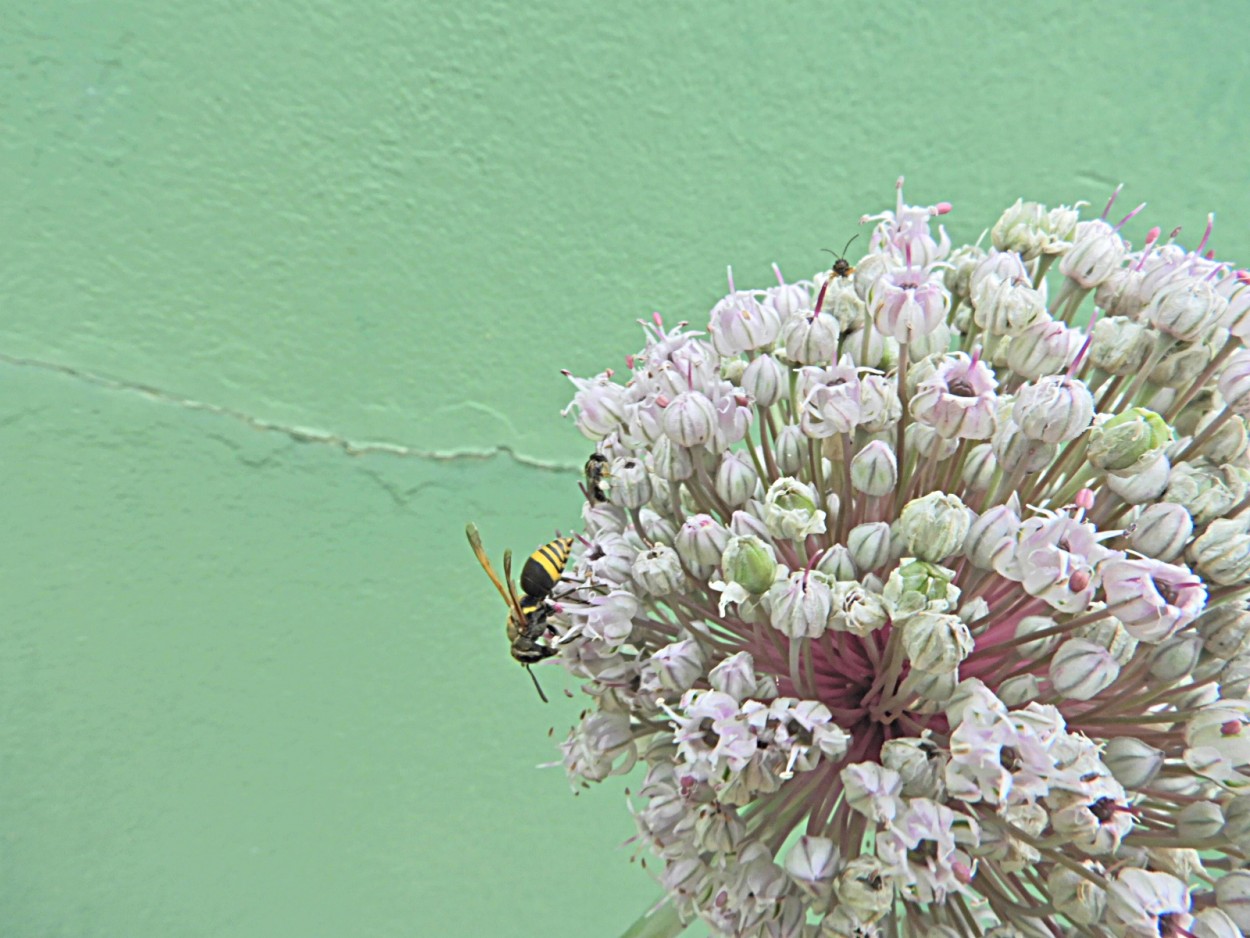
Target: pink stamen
<point>1078,581</point>
<point>1085,499</point>
<point>658,320</point>
<point>781,281</point>
<point>1111,202</point>
<point>1231,728</point>
<point>1076,362</point>
<point>1210,255</point>
<point>1206,235</point>
<point>629,362</point>
<point>661,401</point>
<point>976,356</point>
<point>1243,276</point>
<point>942,208</point>
<point>608,373</point>
<point>1130,216</point>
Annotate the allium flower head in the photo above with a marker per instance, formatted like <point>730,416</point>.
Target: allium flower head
<point>922,603</point>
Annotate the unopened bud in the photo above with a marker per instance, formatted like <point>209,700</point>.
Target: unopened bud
<point>678,665</point>
<point>1015,451</point>
<point>934,527</point>
<point>1232,894</point>
<point>869,545</point>
<point>874,469</point>
<point>1222,553</point>
<point>1133,763</point>
<point>1234,382</point>
<point>1227,442</point>
<point>749,562</point>
<point>1097,252</point>
<point>836,563</point>
<point>700,542</point>
<point>1146,485</point>
<point>631,483</point>
<point>1007,307</point>
<point>790,509</point>
<point>734,676</point>
<point>919,765</point>
<point>812,861</point>
<point>1176,657</point>
<point>1020,690</point>
<point>1120,345</point>
<point>926,441</point>
<point>1126,443</point>
<point>936,642</point>
<point>865,888</point>
<point>1080,669</point>
<point>791,449</point>
<point>1030,230</point>
<point>1201,820</point>
<point>989,534</point>
<point>658,571</point>
<point>689,419</point>
<point>1186,309</point>
<point>1207,491</point>
<point>810,338</point>
<point>1044,348</point>
<point>736,479</point>
<point>1161,531</point>
<point>1225,631</point>
<point>1053,409</point>
<point>1237,819</point>
<point>1181,364</point>
<point>1076,896</point>
<point>1040,647</point>
<point>979,468</point>
<point>767,380</point>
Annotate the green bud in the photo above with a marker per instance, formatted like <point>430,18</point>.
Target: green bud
<point>916,586</point>
<point>790,509</point>
<point>1128,442</point>
<point>749,562</point>
<point>934,527</point>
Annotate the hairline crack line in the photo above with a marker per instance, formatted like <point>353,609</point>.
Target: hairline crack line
<point>298,434</point>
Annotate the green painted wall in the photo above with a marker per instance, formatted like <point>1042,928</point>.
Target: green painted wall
<point>252,683</point>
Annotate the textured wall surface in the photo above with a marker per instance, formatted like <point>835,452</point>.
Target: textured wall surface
<point>286,289</point>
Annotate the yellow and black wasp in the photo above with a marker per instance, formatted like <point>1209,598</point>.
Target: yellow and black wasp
<point>527,614</point>
<point>596,471</point>
<point>841,266</point>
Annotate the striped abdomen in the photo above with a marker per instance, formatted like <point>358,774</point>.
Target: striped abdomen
<point>543,567</point>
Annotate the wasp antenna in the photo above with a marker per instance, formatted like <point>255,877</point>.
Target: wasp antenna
<point>849,243</point>
<point>537,686</point>
<point>507,575</point>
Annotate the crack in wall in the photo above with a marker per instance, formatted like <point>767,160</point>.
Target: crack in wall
<point>297,434</point>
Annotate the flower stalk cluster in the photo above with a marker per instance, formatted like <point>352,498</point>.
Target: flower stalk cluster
<point>923,606</point>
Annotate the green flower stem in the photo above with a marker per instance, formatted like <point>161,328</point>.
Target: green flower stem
<point>658,922</point>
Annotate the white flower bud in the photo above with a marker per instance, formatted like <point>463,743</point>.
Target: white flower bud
<point>836,564</point>
<point>1232,893</point>
<point>658,571</point>
<point>933,527</point>
<point>1120,345</point>
<point>936,642</point>
<point>1016,451</point>
<point>1126,443</point>
<point>766,380</point>
<point>867,271</point>
<point>929,443</point>
<point>844,304</point>
<point>1041,647</point>
<point>1225,631</point>
<point>979,468</point>
<point>740,323</point>
<point>1020,690</point>
<point>1133,763</point>
<point>877,353</point>
<point>790,509</point>
<point>1075,896</point>
<point>1181,365</point>
<point>631,483</point>
<point>989,534</point>
<point>1234,382</point>
<point>1097,252</point>
<point>1237,819</point>
<point>1029,229</point>
<point>1207,491</point>
<point>1081,668</point>
<point>801,604</point>
<point>874,469</point>
<point>1161,531</point>
<point>1200,820</point>
<point>919,764</point>
<point>869,545</point>
<point>872,790</point>
<point>1228,441</point>
<point>736,479</point>
<point>1175,658</point>
<point>678,665</point>
<point>931,343</point>
<point>1053,409</point>
<point>791,449</point>
<point>689,419</point>
<point>1044,348</point>
<point>1222,553</point>
<point>669,461</point>
<point>1007,307</point>
<point>735,676</point>
<point>700,542</point>
<point>812,861</point>
<point>1146,485</point>
<point>1186,309</point>
<point>810,338</point>
<point>654,526</point>
<point>1215,923</point>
